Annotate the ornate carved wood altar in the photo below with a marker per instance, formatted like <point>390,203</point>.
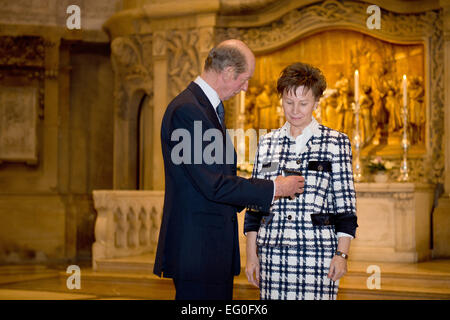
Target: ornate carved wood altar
<point>423,29</point>
<point>158,53</point>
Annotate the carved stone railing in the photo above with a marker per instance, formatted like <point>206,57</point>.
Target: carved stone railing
<point>127,223</point>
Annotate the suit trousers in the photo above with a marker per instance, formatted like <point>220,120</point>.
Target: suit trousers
<point>192,290</point>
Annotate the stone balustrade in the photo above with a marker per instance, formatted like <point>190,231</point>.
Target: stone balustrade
<point>127,223</point>
<point>393,218</point>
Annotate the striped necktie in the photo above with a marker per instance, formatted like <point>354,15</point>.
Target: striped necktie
<point>221,113</point>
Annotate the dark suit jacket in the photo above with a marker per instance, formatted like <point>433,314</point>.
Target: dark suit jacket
<point>198,239</point>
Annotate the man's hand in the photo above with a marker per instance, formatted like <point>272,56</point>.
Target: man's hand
<point>289,186</point>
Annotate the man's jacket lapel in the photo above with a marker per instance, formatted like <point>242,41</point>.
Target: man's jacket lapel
<point>204,102</point>
<point>212,115</point>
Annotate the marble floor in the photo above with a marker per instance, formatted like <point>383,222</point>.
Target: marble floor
<point>42,283</point>
<point>49,283</point>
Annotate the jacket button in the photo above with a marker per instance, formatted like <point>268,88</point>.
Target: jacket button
<point>298,162</point>
<point>289,217</point>
<point>320,168</point>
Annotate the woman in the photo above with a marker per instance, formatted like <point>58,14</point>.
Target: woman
<point>299,250</point>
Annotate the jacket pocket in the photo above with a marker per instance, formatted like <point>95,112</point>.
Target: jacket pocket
<point>324,166</point>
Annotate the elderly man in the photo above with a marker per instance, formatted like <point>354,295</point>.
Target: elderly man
<point>198,241</point>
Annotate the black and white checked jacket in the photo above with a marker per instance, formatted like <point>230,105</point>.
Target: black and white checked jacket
<point>326,164</point>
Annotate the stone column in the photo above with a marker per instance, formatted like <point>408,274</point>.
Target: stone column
<point>51,111</point>
<point>441,219</point>
<point>160,95</point>
<point>446,19</point>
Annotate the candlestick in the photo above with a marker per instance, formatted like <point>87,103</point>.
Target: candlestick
<point>357,174</point>
<point>404,176</point>
<point>280,113</point>
<point>405,93</point>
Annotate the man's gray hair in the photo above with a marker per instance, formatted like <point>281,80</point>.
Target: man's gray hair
<point>225,56</point>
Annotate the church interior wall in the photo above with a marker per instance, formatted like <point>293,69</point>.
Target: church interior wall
<point>53,219</point>
<point>46,208</point>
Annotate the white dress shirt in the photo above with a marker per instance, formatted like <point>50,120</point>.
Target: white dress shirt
<point>302,139</point>
<point>210,93</point>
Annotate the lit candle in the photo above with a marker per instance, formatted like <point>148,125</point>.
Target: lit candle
<point>242,103</point>
<point>405,112</point>
<point>405,93</point>
<point>356,86</point>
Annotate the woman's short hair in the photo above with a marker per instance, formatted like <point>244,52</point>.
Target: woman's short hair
<point>301,74</point>
<point>225,56</point>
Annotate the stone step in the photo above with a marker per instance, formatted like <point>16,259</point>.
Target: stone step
<point>142,264</point>
<point>425,280</point>
<point>428,280</point>
<point>359,280</point>
<point>117,276</point>
<point>346,291</point>
<point>392,292</point>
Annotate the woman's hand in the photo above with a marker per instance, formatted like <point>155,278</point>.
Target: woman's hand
<point>338,265</point>
<point>252,269</point>
<point>252,266</point>
<point>338,268</point>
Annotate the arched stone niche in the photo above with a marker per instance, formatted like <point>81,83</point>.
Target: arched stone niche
<point>133,81</point>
